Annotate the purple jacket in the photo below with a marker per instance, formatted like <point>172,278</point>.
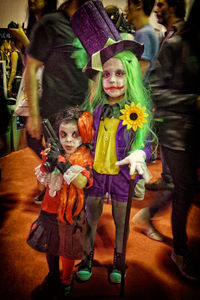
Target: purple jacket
<point>121,149</point>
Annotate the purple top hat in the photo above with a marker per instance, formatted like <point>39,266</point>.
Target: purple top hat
<point>99,36</point>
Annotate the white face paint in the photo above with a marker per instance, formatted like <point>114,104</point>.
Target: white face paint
<point>69,136</point>
<point>114,79</point>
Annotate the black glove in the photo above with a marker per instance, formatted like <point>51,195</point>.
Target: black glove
<point>52,155</point>
<point>52,158</point>
<point>63,166</point>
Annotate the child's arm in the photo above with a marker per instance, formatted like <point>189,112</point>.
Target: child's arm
<point>40,171</point>
<point>72,174</point>
<point>76,174</point>
<point>80,181</point>
<point>85,177</point>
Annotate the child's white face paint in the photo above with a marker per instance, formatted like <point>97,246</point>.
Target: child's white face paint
<point>114,78</point>
<point>69,136</point>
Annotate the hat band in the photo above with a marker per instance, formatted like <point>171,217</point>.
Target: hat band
<point>96,57</point>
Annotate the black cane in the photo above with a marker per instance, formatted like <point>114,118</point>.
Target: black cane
<point>125,235</point>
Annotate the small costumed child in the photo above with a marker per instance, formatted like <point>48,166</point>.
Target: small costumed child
<point>119,103</point>
<point>61,226</point>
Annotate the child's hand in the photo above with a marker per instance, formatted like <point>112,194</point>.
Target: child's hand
<point>136,160</point>
<point>46,151</point>
<point>63,166</point>
<point>53,154</point>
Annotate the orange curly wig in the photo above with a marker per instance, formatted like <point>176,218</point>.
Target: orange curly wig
<point>72,198</point>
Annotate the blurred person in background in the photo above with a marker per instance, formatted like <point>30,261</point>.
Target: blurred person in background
<point>138,12</point>
<point>118,17</point>
<point>15,72</point>
<point>63,82</point>
<point>170,14</point>
<point>175,87</point>
<point>36,9</point>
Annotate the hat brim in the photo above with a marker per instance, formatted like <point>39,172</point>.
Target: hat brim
<point>113,49</point>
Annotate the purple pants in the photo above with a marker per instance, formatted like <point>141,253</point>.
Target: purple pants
<point>116,185</point>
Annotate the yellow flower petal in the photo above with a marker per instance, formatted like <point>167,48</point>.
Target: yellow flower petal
<point>137,113</point>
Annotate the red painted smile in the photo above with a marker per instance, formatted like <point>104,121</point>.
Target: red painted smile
<point>112,88</point>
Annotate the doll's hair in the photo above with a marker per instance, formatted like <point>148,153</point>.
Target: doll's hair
<point>135,92</point>
<point>84,121</point>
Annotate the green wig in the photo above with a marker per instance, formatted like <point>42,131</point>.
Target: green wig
<point>135,92</point>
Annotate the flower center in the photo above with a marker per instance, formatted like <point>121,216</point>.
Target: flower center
<point>133,116</point>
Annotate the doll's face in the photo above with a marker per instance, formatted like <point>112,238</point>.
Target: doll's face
<point>114,78</point>
<point>69,136</point>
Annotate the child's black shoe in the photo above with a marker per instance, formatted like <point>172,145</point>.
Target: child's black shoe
<point>48,288</point>
<point>65,290</point>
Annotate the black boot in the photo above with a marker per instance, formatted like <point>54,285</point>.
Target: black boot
<point>85,267</point>
<point>48,289</point>
<point>115,275</point>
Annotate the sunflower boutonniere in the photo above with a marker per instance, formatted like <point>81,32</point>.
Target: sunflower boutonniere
<point>133,116</point>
